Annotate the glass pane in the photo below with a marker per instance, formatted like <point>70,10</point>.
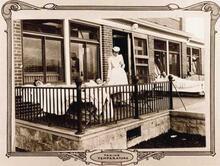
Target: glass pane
<point>44,26</point>
<point>196,67</point>
<point>77,54</point>
<point>32,59</point>
<point>160,60</point>
<point>174,64</point>
<point>160,45</point>
<point>141,61</point>
<point>91,64</point>
<point>174,47</point>
<point>83,31</point>
<point>188,64</point>
<point>188,51</point>
<point>140,46</point>
<point>54,61</point>
<point>143,74</point>
<point>195,51</point>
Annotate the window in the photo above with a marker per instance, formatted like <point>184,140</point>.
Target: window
<point>84,51</point>
<point>54,62</point>
<point>174,58</point>
<point>189,60</point>
<point>54,27</point>
<point>160,55</point>
<point>160,45</point>
<point>32,59</point>
<point>43,57</point>
<point>84,32</point>
<point>194,60</point>
<point>141,59</point>
<point>140,46</point>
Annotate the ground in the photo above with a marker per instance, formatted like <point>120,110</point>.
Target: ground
<point>173,139</point>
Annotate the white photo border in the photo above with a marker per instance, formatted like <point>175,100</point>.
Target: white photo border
<point>206,6</point>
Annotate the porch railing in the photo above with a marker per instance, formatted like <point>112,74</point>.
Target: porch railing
<point>85,106</point>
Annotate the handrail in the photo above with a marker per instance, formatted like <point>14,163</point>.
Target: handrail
<point>100,105</point>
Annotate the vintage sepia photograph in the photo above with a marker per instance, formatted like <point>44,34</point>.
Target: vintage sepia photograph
<point>113,83</point>
<point>109,85</point>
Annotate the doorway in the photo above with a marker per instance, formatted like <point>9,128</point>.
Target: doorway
<point>120,39</point>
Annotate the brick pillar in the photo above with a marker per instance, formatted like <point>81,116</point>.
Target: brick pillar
<point>151,57</point>
<point>18,78</point>
<point>184,65</point>
<point>107,48</point>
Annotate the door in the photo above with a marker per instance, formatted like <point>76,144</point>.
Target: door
<point>120,39</point>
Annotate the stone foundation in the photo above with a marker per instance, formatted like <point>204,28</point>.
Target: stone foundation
<point>36,137</point>
<point>187,122</point>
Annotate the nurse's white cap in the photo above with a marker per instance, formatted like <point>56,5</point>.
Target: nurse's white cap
<point>116,49</point>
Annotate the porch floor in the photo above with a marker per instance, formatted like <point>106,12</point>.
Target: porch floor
<point>120,112</point>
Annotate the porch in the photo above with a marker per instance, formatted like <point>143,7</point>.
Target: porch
<point>81,107</point>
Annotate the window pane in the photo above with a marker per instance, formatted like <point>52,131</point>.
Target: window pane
<point>85,63</point>
<point>188,60</point>
<point>83,31</point>
<point>54,61</point>
<point>140,46</point>
<point>196,66</point>
<point>44,26</point>
<point>174,64</point>
<point>160,60</point>
<point>141,61</point>
<point>142,70</point>
<point>174,47</point>
<point>188,51</point>
<point>32,59</point>
<point>160,45</point>
<point>143,74</point>
<point>90,68</point>
<point>77,54</point>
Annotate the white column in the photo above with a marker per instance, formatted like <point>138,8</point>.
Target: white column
<point>67,52</point>
<point>168,59</point>
<point>100,62</point>
<point>129,55</point>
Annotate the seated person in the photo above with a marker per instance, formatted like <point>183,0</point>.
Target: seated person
<point>100,98</point>
<point>38,83</point>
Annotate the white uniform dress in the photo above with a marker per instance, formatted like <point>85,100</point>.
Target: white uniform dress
<point>116,74</point>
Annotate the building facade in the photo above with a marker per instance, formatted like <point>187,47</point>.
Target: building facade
<point>58,51</point>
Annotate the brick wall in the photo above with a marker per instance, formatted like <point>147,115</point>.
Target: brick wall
<point>151,56</point>
<point>184,64</point>
<point>17,53</point>
<point>107,48</point>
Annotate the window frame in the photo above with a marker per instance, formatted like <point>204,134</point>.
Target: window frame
<point>199,72</point>
<point>175,52</point>
<point>85,42</point>
<point>143,37</point>
<point>162,51</point>
<point>43,37</point>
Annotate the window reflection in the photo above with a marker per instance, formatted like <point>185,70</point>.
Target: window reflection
<point>91,62</point>
<point>54,65</point>
<point>84,51</point>
<point>32,59</point>
<point>83,31</point>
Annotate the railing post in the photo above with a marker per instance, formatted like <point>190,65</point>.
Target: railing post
<point>170,92</point>
<point>79,104</point>
<point>135,81</point>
